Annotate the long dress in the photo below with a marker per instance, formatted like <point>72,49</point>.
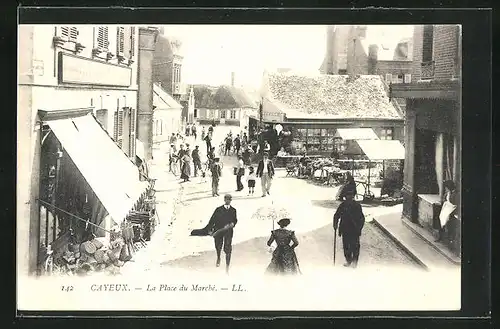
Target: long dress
<point>284,260</point>
<point>186,167</point>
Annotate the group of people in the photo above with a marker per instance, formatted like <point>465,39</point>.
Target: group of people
<point>348,221</point>
<point>265,172</point>
<point>234,145</point>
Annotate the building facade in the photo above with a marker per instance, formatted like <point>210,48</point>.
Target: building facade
<point>221,105</point>
<point>167,66</point>
<point>63,69</point>
<point>433,128</point>
<point>167,115</point>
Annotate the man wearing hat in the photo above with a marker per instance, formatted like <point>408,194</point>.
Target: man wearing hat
<point>216,170</point>
<point>352,221</point>
<point>195,155</point>
<point>265,171</point>
<point>221,224</point>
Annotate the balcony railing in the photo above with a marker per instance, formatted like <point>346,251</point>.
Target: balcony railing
<point>427,70</point>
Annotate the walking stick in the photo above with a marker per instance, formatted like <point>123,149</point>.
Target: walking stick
<point>334,245</point>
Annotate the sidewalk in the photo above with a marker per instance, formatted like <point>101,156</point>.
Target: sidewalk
<point>414,241</point>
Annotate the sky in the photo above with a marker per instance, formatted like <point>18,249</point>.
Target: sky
<point>212,52</point>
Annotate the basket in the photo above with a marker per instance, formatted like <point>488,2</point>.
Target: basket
<point>98,244</point>
<point>99,256</point>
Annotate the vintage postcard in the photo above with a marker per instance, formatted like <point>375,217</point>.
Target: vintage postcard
<point>239,167</point>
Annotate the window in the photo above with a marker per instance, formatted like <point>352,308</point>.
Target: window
<point>233,114</point>
<point>342,72</point>
<point>407,78</point>
<point>69,32</point>
<point>120,40</point>
<point>428,40</point>
<point>388,78</point>
<point>386,133</point>
<point>222,114</point>
<point>102,38</point>
<point>195,113</point>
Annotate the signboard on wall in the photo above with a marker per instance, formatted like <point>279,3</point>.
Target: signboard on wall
<point>272,117</point>
<point>80,70</point>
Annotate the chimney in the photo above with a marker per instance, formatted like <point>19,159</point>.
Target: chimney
<point>372,59</point>
<point>232,79</point>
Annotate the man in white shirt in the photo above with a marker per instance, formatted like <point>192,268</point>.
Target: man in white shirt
<point>265,171</point>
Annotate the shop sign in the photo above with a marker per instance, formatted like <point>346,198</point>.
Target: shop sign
<point>272,117</point>
<point>80,70</point>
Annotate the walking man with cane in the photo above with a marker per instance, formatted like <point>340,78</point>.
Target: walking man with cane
<point>352,221</point>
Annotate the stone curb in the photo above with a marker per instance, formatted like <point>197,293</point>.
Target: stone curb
<point>433,245</point>
<point>408,250</point>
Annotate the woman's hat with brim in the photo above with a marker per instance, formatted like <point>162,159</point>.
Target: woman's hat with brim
<point>284,222</point>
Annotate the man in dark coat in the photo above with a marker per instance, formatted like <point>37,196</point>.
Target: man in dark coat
<point>237,144</point>
<point>221,226</point>
<point>208,141</point>
<point>265,170</point>
<point>229,143</point>
<point>352,221</point>
<point>196,160</point>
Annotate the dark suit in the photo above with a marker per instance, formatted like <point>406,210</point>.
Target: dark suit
<point>352,221</point>
<point>220,218</point>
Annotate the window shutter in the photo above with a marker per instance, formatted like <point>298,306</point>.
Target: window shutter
<point>120,40</point>
<point>407,78</point>
<point>132,133</point>
<point>115,126</point>
<point>132,42</point>
<point>119,128</point>
<point>102,38</point>
<point>388,78</point>
<point>64,31</point>
<point>73,33</point>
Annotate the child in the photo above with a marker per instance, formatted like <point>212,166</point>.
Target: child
<point>251,180</point>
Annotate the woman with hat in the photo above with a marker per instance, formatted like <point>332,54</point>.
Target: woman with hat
<point>284,260</point>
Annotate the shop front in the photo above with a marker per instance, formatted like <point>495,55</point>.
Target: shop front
<point>432,155</point>
<point>88,187</point>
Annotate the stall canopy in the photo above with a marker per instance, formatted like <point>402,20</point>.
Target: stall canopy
<point>356,134</point>
<point>108,171</point>
<point>377,149</point>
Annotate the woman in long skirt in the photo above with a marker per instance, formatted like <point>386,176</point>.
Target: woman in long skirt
<point>186,168</point>
<point>284,260</point>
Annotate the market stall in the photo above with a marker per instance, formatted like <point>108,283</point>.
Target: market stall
<point>387,155</point>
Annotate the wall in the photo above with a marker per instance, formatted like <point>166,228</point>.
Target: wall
<point>170,121</point>
<point>444,52</point>
<point>206,115</point>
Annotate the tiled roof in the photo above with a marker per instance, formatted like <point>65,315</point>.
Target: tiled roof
<point>331,96</point>
<point>224,97</point>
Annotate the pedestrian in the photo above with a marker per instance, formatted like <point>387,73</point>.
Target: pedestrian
<point>284,260</point>
<point>195,155</point>
<point>186,167</point>
<point>251,178</point>
<point>203,132</point>
<point>208,141</point>
<point>348,187</point>
<point>246,154</point>
<point>211,128</point>
<point>173,139</point>
<point>193,131</point>
<point>352,220</point>
<point>237,144</point>
<point>449,207</point>
<point>267,147</point>
<point>229,142</point>
<point>171,156</point>
<point>240,172</point>
<point>265,171</point>
<point>221,226</point>
<point>180,155</point>
<point>188,129</point>
<point>245,138</point>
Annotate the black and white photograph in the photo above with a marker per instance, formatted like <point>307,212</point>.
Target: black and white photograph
<point>239,167</point>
